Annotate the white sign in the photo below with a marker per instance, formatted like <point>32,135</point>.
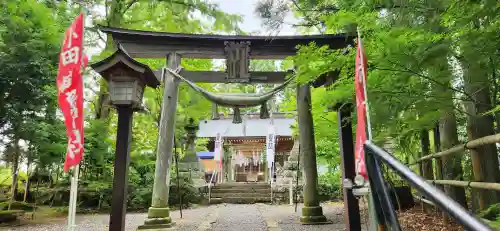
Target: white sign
<point>218,147</point>
<point>270,143</point>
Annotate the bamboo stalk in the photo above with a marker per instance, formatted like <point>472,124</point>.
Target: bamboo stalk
<point>469,145</point>
<point>479,185</point>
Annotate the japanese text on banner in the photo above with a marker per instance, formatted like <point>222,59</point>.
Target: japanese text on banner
<point>270,143</point>
<point>218,147</point>
<point>70,90</point>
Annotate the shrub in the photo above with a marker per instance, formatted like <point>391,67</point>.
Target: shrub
<point>140,198</point>
<point>189,194</point>
<point>17,205</point>
<point>329,187</point>
<point>10,215</point>
<point>491,213</point>
<point>329,192</point>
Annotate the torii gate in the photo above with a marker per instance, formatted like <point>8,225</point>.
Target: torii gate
<point>237,50</point>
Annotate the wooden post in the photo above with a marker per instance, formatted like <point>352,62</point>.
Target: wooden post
<point>312,212</point>
<point>439,167</point>
<point>120,178</point>
<point>159,213</point>
<point>352,217</point>
<point>452,164</point>
<point>427,171</point>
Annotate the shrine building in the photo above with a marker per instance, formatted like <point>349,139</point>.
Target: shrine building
<point>246,145</point>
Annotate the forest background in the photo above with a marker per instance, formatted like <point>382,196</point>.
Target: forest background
<point>431,64</point>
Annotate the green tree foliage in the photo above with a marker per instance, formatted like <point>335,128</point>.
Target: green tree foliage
<point>29,52</point>
<point>30,37</point>
<point>159,15</point>
<point>155,15</point>
<point>429,62</point>
<point>30,34</point>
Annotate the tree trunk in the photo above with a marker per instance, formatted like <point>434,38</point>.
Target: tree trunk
<point>495,91</point>
<point>448,135</point>
<point>427,171</point>
<point>452,164</point>
<point>439,167</point>
<point>485,158</point>
<point>57,176</point>
<point>114,19</point>
<point>15,168</point>
<point>27,186</point>
<point>36,193</point>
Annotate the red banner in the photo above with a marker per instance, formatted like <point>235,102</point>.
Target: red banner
<point>70,90</point>
<point>360,83</point>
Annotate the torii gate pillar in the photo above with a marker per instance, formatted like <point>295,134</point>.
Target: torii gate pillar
<point>312,212</point>
<point>236,51</point>
<point>159,213</point>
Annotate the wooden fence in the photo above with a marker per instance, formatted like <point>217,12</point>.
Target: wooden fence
<point>492,139</point>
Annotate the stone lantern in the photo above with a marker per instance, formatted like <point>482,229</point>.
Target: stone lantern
<point>125,90</point>
<point>190,166</point>
<point>191,128</point>
<point>126,79</point>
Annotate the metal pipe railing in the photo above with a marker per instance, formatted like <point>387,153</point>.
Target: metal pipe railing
<point>381,196</point>
<point>432,193</point>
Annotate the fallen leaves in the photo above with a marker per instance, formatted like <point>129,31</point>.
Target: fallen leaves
<point>415,219</point>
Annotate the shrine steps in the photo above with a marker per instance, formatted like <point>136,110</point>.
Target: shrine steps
<point>241,193</point>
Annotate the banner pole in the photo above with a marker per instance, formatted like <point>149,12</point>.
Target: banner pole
<point>371,207</point>
<point>73,195</point>
<point>272,179</point>
<point>73,198</point>
<point>368,121</point>
<point>70,208</point>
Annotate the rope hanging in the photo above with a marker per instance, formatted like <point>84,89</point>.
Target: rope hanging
<point>234,100</point>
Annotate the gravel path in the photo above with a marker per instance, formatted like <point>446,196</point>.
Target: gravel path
<point>284,218</point>
<point>224,217</point>
<point>239,217</point>
<point>99,222</point>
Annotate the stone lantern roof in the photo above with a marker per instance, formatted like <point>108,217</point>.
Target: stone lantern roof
<point>121,64</point>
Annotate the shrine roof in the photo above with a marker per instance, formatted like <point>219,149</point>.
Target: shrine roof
<point>254,127</point>
<point>150,44</point>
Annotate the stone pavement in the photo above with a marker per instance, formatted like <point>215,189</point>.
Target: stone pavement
<point>222,217</point>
